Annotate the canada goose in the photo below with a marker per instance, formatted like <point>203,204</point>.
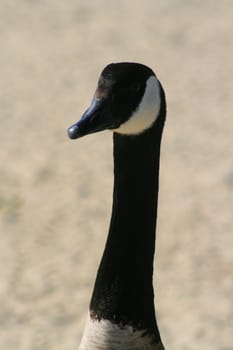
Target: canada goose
<point>129,100</point>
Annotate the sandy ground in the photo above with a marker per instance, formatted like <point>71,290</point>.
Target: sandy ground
<point>55,195</point>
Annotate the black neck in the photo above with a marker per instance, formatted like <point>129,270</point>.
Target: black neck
<point>123,290</point>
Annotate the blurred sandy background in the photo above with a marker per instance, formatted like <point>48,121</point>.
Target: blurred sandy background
<point>55,195</point>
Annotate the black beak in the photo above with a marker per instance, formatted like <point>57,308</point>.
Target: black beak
<point>90,122</point>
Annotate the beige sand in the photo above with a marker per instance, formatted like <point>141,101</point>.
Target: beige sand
<point>55,195</point>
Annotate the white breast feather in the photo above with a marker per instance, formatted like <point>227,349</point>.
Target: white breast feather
<point>105,335</point>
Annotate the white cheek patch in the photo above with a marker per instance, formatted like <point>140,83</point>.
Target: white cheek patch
<point>146,113</point>
<point>105,335</point>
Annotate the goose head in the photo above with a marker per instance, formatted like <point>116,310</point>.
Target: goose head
<point>127,100</point>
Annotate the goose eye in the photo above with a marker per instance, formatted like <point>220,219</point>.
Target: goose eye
<point>135,87</point>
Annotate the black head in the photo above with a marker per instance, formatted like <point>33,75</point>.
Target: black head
<point>127,100</point>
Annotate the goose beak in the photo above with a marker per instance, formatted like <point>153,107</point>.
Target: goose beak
<point>90,122</point>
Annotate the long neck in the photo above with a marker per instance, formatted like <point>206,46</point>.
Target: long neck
<point>123,290</point>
